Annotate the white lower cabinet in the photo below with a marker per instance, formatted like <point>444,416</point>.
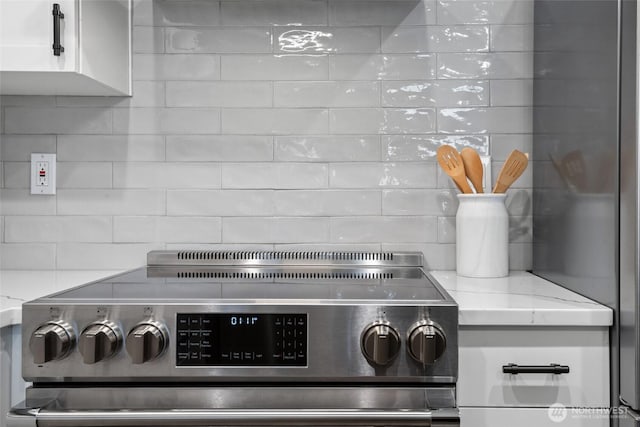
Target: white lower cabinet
<point>489,397</point>
<point>528,417</point>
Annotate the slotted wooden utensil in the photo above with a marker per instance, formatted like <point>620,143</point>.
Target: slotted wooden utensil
<point>472,167</point>
<point>513,167</point>
<point>451,162</point>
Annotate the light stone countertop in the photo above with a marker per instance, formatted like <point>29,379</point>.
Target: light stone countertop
<point>18,286</point>
<point>520,299</point>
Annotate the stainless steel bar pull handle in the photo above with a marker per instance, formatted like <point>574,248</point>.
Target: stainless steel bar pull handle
<point>188,417</point>
<point>552,368</point>
<point>57,16</point>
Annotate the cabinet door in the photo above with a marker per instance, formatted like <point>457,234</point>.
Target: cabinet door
<point>26,35</point>
<point>533,417</point>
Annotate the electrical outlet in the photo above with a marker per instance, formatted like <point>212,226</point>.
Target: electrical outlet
<point>43,173</point>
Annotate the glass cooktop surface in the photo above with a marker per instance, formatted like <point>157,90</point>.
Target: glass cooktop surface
<point>340,285</point>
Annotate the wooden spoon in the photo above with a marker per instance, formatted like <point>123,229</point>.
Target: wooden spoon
<point>472,167</point>
<point>451,162</point>
<point>513,167</point>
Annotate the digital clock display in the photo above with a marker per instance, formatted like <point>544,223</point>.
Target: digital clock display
<point>216,339</point>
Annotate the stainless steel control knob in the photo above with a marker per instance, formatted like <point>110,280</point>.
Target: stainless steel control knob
<point>99,341</point>
<point>146,341</point>
<point>426,342</point>
<point>51,341</point>
<point>380,343</point>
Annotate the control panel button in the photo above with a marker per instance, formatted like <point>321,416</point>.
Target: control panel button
<point>426,342</point>
<point>51,341</point>
<point>148,340</point>
<point>242,339</point>
<point>380,343</point>
<point>99,341</point>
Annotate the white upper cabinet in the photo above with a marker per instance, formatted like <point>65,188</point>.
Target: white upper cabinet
<point>95,53</point>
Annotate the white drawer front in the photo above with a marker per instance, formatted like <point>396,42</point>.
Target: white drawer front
<point>528,417</point>
<point>483,352</point>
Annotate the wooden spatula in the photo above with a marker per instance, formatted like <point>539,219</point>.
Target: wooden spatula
<point>472,167</point>
<point>574,170</point>
<point>513,167</point>
<point>451,162</point>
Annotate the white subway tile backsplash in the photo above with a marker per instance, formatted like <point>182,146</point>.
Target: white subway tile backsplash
<point>385,12</point>
<point>18,148</point>
<point>102,256</point>
<point>327,202</point>
<point>512,38</point>
<point>27,101</point>
<point>166,121</point>
<point>228,148</point>
<point>50,120</point>
<point>485,120</point>
<point>503,145</point>
<point>485,12</point>
<point>275,67</point>
<point>147,40</point>
<point>20,202</point>
<point>219,94</point>
<point>318,40</point>
<point>275,230</point>
<point>182,13</point>
<point>84,175</point>
<point>132,229</point>
<point>116,148</point>
<point>166,175</point>
<point>382,175</point>
<point>416,202</point>
<point>28,256</point>
<point>512,93</point>
<point>111,202</point>
<point>407,229</point>
<point>220,203</point>
<point>28,229</point>
<point>436,93</point>
<point>270,121</point>
<point>382,67</point>
<point>382,120</point>
<point>16,174</point>
<point>176,67</point>
<point>435,39</point>
<point>500,65</point>
<point>327,148</point>
<point>446,229</point>
<point>275,175</point>
<point>424,147</point>
<point>326,94</point>
<point>277,124</point>
<point>145,94</point>
<point>274,12</point>
<point>217,40</point>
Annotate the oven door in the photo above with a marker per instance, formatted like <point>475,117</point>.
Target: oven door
<point>166,406</point>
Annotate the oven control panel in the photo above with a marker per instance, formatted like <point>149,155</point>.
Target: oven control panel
<point>241,339</point>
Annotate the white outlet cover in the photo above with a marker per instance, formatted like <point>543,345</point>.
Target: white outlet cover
<point>49,161</point>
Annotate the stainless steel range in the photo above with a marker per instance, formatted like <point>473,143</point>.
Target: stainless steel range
<point>207,338</point>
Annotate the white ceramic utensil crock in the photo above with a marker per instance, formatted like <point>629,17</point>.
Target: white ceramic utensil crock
<point>482,235</point>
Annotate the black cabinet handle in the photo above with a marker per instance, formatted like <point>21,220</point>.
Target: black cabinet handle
<point>553,368</point>
<point>57,16</point>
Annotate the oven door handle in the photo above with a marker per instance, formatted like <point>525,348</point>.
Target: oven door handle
<point>45,417</point>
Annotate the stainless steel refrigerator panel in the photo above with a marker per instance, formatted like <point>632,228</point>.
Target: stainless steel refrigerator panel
<point>629,327</point>
<point>575,149</point>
